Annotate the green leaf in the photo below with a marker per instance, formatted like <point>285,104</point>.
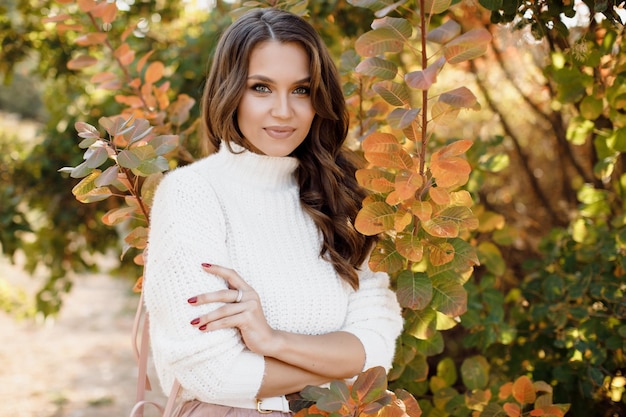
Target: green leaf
<point>164,143</point>
<point>152,166</point>
<point>393,93</point>
<point>449,297</point>
<point>422,324</point>
<point>128,159</point>
<point>493,5</point>
<point>414,290</point>
<point>377,67</point>
<point>379,41</point>
<point>475,372</point>
<point>493,410</point>
<point>436,6</point>
<point>490,256</point>
<point>149,187</point>
<point>400,118</point>
<point>385,257</point>
<point>446,370</point>
<point>432,346</point>
<point>591,107</point>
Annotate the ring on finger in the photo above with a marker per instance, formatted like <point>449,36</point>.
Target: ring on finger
<point>239,296</point>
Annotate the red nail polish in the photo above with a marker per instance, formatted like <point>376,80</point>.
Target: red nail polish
<point>206,265</point>
<point>203,327</point>
<point>193,300</point>
<point>195,321</point>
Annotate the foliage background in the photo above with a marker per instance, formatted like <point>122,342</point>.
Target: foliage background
<point>547,179</point>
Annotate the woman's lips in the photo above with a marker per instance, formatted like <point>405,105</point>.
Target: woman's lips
<point>279,132</point>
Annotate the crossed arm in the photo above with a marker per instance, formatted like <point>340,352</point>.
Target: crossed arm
<point>292,361</point>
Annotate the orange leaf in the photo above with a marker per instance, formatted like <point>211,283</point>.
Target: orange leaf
<point>138,284</point>
<point>512,409</point>
<point>523,390</point>
<point>505,390</point>
<point>93,38</point>
<point>55,19</point>
<point>143,60</point>
<point>439,195</point>
<point>86,5</point>
<point>81,62</point>
<point>439,227</point>
<point>131,101</point>
<point>375,180</point>
<point>450,172</point>
<point>124,54</point>
<point>423,210</point>
<point>410,247</point>
<point>102,77</point>
<point>154,72</point>
<point>536,412</point>
<point>407,184</point>
<point>62,28</point>
<point>375,218</point>
<point>106,11</point>
<point>456,148</point>
<point>469,45</point>
<point>441,254</point>
<point>402,220</point>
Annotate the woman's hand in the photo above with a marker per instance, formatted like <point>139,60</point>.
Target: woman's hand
<point>242,309</point>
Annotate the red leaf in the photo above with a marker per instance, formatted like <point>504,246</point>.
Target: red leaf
<point>523,390</point>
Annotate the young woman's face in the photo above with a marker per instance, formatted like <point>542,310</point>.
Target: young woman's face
<point>275,112</point>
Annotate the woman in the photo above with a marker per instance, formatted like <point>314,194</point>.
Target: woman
<point>257,283</point>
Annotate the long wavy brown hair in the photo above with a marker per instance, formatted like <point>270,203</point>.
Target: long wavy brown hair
<point>328,189</point>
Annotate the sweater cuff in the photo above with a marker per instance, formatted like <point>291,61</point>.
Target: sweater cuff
<point>245,376</point>
<point>376,350</point>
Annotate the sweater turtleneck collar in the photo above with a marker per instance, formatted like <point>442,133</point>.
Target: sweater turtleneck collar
<point>263,171</point>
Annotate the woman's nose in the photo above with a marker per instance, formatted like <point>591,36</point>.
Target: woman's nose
<point>281,107</point>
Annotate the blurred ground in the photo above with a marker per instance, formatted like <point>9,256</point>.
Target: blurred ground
<point>79,365</point>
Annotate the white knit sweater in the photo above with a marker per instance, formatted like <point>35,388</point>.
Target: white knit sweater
<point>243,211</point>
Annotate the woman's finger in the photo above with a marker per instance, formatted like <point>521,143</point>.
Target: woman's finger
<point>231,276</point>
<point>229,315</point>
<point>220,296</point>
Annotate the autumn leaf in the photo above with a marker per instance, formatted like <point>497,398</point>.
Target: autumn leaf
<point>375,218</point>
<point>523,390</point>
<point>81,62</point>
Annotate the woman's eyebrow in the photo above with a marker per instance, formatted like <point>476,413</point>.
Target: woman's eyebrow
<point>269,80</point>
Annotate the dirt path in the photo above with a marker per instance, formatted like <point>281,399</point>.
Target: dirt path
<point>82,364</point>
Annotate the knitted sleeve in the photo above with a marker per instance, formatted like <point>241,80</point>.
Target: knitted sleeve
<point>374,316</point>
<point>188,228</point>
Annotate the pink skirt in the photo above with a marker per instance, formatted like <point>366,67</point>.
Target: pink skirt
<point>200,409</point>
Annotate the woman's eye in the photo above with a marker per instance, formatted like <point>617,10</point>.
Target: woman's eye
<point>302,90</point>
<point>260,88</point>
